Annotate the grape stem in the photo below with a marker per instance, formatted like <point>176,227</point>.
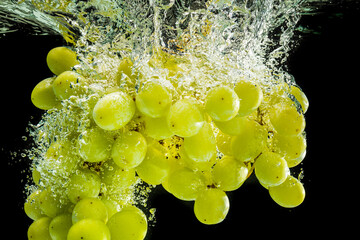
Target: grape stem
<point>253,166</point>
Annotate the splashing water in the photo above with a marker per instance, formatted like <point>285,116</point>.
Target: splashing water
<point>253,36</point>
<point>190,46</point>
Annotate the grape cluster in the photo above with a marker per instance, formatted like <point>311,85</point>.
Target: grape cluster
<point>139,128</point>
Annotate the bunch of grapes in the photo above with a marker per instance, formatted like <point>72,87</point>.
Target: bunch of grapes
<point>110,136</point>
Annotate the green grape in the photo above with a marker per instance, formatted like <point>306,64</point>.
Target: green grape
<point>129,149</point>
<point>83,184</point>
<point>234,126</point>
<point>263,185</point>
<point>250,96</point>
<point>153,99</point>
<point>176,160</point>
<point>300,97</point>
<point>57,150</point>
<point>36,176</point>
<point>128,224</point>
<point>211,206</point>
<point>222,103</point>
<point>89,229</point>
<point>114,111</point>
<point>116,177</point>
<point>223,143</point>
<point>155,128</point>
<point>271,169</point>
<point>32,206</point>
<point>196,165</point>
<point>185,184</point>
<point>39,229</point>
<point>202,146</point>
<point>59,158</point>
<point>49,204</point>
<point>112,206</point>
<point>43,96</point>
<point>59,227</point>
<point>89,208</point>
<point>229,174</point>
<point>61,59</point>
<point>94,145</point>
<point>185,118</point>
<point>68,84</point>
<point>286,120</point>
<point>293,148</point>
<point>289,194</point>
<point>250,142</point>
<point>155,166</point>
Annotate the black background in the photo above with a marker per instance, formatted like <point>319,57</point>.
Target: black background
<point>325,64</point>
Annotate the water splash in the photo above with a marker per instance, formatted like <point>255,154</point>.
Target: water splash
<point>209,42</point>
<point>245,28</point>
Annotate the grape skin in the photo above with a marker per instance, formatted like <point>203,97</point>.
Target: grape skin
<point>156,129</point>
<point>211,206</point>
<point>271,169</point>
<point>50,204</point>
<point>89,208</point>
<point>185,184</point>
<point>115,177</point>
<point>300,97</point>
<point>289,194</point>
<point>59,227</point>
<point>32,206</point>
<point>129,149</point>
<point>247,145</point>
<point>223,143</point>
<point>229,174</point>
<point>61,59</point>
<point>43,96</point>
<point>250,96</point>
<point>128,224</point>
<point>59,157</point>
<point>94,145</point>
<point>185,119</point>
<point>153,100</point>
<point>114,111</point>
<point>68,84</point>
<point>112,206</point>
<point>154,168</point>
<point>39,229</point>
<point>83,184</point>
<point>89,229</point>
<point>222,103</point>
<point>202,146</point>
<point>234,126</point>
<point>292,148</point>
<point>196,165</point>
<point>286,120</point>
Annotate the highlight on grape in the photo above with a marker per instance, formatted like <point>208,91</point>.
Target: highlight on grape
<point>117,125</point>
